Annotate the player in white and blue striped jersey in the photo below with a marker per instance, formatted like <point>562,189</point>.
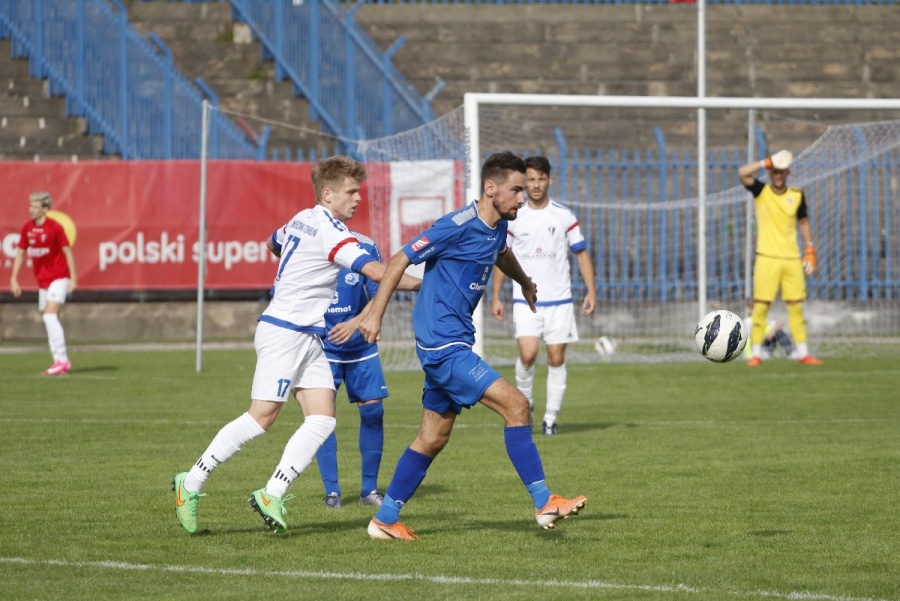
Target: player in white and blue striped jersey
<point>313,247</point>
<point>459,252</point>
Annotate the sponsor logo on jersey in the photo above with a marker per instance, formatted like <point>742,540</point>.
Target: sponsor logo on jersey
<point>420,243</point>
<point>344,309</point>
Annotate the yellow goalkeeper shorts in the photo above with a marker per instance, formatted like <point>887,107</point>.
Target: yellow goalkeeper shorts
<point>770,274</point>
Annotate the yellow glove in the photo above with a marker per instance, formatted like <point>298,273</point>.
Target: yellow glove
<point>780,160</point>
<point>809,259</point>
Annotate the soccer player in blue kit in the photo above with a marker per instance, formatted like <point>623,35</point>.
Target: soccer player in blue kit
<point>355,362</point>
<point>459,252</point>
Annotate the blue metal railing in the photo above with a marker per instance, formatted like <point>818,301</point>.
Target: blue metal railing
<point>352,87</point>
<point>123,85</point>
<point>643,236</point>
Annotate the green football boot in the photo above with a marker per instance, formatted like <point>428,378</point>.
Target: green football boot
<point>186,503</point>
<point>271,508</point>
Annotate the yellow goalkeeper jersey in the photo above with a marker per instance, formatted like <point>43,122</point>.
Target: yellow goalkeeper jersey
<point>776,220</point>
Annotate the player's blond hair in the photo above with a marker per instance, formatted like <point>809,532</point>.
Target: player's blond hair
<point>330,173</point>
<point>41,197</point>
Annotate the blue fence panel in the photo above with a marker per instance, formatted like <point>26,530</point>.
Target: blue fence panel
<point>352,87</point>
<point>642,233</point>
<point>125,87</point>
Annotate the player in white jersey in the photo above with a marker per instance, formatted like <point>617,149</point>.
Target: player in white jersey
<point>313,247</point>
<point>542,237</point>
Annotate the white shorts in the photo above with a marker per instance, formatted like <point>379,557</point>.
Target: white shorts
<point>56,292</point>
<point>286,360</point>
<point>555,324</point>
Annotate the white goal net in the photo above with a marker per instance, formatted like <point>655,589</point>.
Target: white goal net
<point>631,176</point>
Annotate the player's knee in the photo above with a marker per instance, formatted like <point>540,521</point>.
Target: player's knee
<point>431,443</point>
<point>371,414</point>
<point>516,411</point>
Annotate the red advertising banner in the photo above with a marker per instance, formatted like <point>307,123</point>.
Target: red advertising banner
<point>135,223</point>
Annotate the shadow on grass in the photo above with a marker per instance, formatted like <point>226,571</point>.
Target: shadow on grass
<point>93,369</point>
<point>770,533</point>
<point>564,428</point>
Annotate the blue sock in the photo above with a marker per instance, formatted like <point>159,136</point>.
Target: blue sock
<point>389,512</point>
<point>371,444</point>
<point>409,473</point>
<point>539,492</point>
<point>525,458</point>
<point>326,457</point>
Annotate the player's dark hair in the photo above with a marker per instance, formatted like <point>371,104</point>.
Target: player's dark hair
<point>498,166</point>
<point>538,163</point>
<point>330,173</point>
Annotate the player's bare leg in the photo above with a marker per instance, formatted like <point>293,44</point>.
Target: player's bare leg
<point>433,436</point>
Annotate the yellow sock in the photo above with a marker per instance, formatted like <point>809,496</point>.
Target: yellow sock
<point>760,311</point>
<point>797,322</point>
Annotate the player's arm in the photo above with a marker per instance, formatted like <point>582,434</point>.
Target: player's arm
<point>586,267</point>
<point>343,331</point>
<point>272,248</point>
<point>747,172</point>
<point>70,262</point>
<point>780,160</point>
<point>377,271</point>
<point>14,278</point>
<point>497,300</point>
<point>388,279</point>
<point>809,249</point>
<point>509,265</point>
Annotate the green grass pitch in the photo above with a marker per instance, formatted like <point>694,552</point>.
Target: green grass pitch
<point>703,481</point>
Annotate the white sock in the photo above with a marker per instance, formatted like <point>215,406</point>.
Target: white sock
<point>525,381</point>
<point>757,351</point>
<point>802,350</point>
<point>56,337</point>
<point>299,452</point>
<point>223,447</point>
<point>556,388</point>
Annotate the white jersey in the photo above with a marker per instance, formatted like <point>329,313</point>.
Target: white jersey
<point>541,240</point>
<point>314,247</point>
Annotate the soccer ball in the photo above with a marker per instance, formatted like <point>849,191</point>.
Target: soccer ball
<point>605,346</point>
<point>721,336</point>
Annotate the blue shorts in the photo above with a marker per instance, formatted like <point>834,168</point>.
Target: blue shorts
<point>364,378</point>
<point>455,377</point>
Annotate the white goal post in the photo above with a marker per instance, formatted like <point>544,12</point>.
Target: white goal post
<point>473,101</point>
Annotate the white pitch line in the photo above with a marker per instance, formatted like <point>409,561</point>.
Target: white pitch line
<point>170,422</point>
<point>586,584</point>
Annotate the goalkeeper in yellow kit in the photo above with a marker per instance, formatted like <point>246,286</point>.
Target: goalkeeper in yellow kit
<point>780,212</point>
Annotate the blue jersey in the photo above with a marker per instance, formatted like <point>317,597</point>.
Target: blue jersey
<point>351,296</point>
<point>459,252</point>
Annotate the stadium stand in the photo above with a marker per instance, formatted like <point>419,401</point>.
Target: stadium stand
<point>633,49</point>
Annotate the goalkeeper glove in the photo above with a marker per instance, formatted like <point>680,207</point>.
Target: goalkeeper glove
<point>809,259</point>
<point>780,160</point>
